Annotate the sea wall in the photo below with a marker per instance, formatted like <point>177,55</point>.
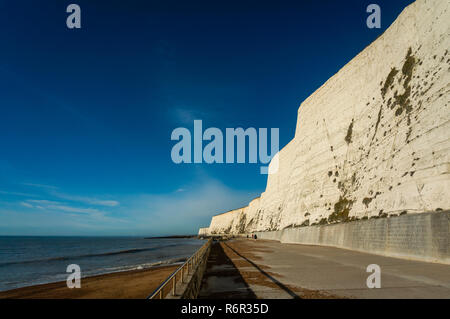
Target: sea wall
<point>422,237</point>
<point>372,142</point>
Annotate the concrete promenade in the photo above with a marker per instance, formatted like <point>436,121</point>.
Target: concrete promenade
<point>246,268</point>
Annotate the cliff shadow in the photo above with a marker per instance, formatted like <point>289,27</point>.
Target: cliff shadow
<point>222,280</point>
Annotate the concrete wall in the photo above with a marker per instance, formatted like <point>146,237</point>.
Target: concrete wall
<point>422,237</point>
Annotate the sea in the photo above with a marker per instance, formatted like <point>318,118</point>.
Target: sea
<point>27,261</point>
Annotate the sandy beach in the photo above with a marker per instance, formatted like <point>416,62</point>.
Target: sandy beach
<point>136,284</point>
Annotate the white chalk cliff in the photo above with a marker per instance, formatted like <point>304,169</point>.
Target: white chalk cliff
<point>371,142</point>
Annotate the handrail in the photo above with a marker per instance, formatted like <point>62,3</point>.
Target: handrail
<point>190,264</point>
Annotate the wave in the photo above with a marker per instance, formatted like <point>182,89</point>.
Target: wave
<point>166,262</point>
<point>112,253</point>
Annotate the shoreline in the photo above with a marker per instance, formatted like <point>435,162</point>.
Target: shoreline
<point>129,284</point>
<point>173,237</point>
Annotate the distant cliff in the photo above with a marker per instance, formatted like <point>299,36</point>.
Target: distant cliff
<point>372,142</point>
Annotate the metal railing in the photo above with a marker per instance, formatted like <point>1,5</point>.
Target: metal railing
<point>184,270</point>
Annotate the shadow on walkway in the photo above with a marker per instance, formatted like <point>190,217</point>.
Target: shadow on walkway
<point>222,279</point>
<point>279,284</point>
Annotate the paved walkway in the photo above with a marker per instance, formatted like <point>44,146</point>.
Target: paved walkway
<point>222,279</point>
<point>247,268</point>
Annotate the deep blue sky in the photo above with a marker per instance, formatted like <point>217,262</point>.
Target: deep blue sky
<point>86,115</point>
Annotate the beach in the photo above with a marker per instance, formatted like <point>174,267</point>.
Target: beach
<point>135,284</point>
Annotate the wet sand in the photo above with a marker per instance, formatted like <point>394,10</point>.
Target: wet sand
<point>136,284</point>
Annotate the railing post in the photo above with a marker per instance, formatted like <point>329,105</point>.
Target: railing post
<point>174,283</point>
<point>182,277</point>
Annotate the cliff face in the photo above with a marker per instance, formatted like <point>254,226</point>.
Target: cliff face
<point>203,231</point>
<point>373,141</point>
